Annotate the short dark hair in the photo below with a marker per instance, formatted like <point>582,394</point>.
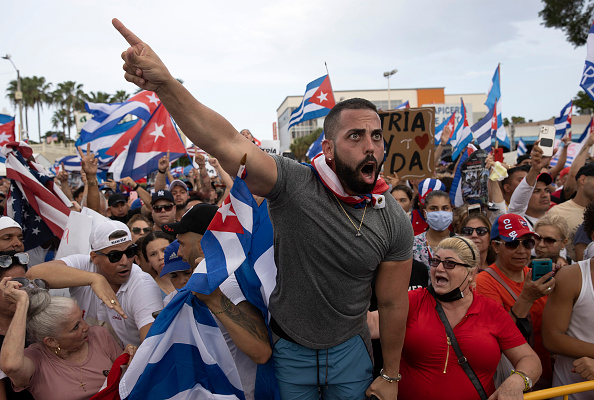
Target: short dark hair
<point>511,171</point>
<point>331,123</point>
<point>153,236</point>
<point>118,234</point>
<point>589,220</point>
<point>78,191</point>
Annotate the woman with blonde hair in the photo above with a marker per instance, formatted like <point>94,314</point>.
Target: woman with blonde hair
<point>449,321</point>
<point>553,231</point>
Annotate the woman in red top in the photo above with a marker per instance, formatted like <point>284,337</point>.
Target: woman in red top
<point>429,365</point>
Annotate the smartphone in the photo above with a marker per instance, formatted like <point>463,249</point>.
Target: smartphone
<point>546,135</point>
<point>474,209</point>
<point>541,267</point>
<point>109,176</point>
<point>498,154</point>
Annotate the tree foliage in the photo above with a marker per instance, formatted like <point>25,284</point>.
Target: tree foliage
<point>514,120</point>
<point>583,103</point>
<point>300,145</point>
<point>573,17</point>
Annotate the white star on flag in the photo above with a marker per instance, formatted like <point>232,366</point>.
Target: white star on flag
<point>4,137</point>
<point>153,98</point>
<point>36,231</point>
<point>225,211</point>
<point>37,218</point>
<point>158,132</point>
<point>323,96</point>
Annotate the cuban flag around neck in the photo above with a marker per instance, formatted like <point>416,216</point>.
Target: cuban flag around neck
<point>449,122</point>
<point>563,121</point>
<point>521,149</point>
<point>406,104</point>
<point>494,101</point>
<point>317,101</point>
<point>6,129</point>
<point>316,147</point>
<point>465,134</point>
<point>587,82</point>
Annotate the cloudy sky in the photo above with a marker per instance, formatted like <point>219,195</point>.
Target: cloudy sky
<point>242,58</point>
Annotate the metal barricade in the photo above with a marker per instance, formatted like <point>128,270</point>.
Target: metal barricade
<point>560,391</point>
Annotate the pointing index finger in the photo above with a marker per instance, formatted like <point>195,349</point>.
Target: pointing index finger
<point>130,37</point>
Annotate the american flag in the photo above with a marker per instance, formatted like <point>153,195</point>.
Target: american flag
<point>35,202</point>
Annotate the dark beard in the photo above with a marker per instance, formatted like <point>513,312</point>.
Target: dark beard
<point>351,177</point>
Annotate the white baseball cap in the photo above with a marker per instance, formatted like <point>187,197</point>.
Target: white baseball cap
<point>100,235</point>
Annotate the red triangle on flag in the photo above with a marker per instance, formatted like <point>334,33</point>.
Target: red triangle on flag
<point>159,134</point>
<point>324,95</point>
<point>225,220</point>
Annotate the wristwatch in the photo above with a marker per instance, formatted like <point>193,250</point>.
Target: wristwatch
<point>527,380</point>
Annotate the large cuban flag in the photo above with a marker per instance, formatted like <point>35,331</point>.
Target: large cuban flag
<point>464,135</point>
<point>563,121</point>
<point>6,129</point>
<point>587,82</point>
<point>317,101</point>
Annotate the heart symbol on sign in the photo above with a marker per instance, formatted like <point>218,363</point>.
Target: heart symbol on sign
<point>422,141</point>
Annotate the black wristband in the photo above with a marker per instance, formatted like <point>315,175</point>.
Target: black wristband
<point>136,187</point>
<point>162,172</point>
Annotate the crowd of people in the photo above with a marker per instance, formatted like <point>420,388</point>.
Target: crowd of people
<point>384,288</point>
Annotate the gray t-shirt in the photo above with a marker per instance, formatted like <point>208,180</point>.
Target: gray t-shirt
<point>323,284</point>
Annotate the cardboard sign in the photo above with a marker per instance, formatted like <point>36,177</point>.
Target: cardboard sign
<point>409,136</point>
<point>271,146</point>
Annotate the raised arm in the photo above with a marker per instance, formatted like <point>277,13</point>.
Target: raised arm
<point>203,126</point>
<point>554,171</point>
<point>163,167</point>
<point>142,194</point>
<point>88,164</point>
<point>520,198</point>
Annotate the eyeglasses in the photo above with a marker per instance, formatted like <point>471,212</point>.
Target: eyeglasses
<point>527,243</point>
<point>116,255</point>
<point>19,258</point>
<point>550,240</point>
<point>480,231</point>
<point>447,264</point>
<point>166,207</point>
<point>136,230</point>
<point>33,283</point>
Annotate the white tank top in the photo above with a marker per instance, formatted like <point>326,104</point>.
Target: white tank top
<point>581,326</point>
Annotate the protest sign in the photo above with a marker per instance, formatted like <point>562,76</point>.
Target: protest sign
<point>272,147</point>
<point>409,142</point>
<point>474,179</point>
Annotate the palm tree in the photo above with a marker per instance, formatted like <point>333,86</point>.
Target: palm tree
<point>98,97</point>
<point>39,96</point>
<point>119,97</point>
<point>70,96</point>
<point>59,120</point>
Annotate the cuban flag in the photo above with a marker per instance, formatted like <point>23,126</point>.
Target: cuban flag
<point>587,82</point>
<point>406,104</point>
<point>34,201</point>
<point>449,122</point>
<point>6,129</point>
<point>141,156</point>
<point>456,188</point>
<point>574,148</point>
<point>494,102</point>
<point>177,172</point>
<point>316,147</point>
<point>563,121</point>
<point>521,149</point>
<point>317,101</point>
<point>71,164</point>
<point>464,136</point>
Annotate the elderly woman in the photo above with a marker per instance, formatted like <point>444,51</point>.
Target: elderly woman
<point>509,282</point>
<point>483,330</point>
<point>68,357</point>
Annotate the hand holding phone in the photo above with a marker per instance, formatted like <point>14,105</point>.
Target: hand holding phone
<point>541,267</point>
<point>546,137</point>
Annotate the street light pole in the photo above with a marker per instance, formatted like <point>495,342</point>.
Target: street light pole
<point>388,75</point>
<point>18,96</point>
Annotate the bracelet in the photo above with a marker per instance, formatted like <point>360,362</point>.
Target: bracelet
<point>226,308</point>
<point>162,172</point>
<point>527,380</point>
<point>136,187</point>
<point>511,310</point>
<point>92,183</point>
<point>387,378</point>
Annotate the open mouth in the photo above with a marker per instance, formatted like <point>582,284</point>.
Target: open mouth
<point>124,272</point>
<point>440,281</point>
<point>368,172</point>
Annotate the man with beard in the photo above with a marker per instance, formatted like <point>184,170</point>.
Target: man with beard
<point>334,229</point>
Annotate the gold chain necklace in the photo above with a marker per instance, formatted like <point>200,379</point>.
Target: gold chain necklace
<point>81,383</point>
<point>351,221</point>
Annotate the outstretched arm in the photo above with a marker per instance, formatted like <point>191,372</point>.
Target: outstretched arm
<point>203,126</point>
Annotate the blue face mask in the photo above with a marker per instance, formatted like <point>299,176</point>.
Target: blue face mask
<point>439,220</point>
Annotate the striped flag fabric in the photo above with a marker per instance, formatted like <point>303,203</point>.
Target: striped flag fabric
<point>406,104</point>
<point>465,134</point>
<point>34,201</point>
<point>449,122</point>
<point>587,82</point>
<point>483,131</point>
<point>317,101</point>
<point>563,121</point>
<point>6,129</point>
<point>494,102</point>
<point>456,188</point>
<point>316,147</point>
<point>521,149</point>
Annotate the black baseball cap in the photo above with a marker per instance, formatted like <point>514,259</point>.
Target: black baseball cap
<point>196,220</point>
<point>162,195</point>
<point>117,198</point>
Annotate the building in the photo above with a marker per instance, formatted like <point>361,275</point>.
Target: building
<point>444,104</point>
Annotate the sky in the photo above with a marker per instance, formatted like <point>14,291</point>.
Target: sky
<point>242,58</point>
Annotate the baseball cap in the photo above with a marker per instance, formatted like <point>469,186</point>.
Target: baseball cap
<point>178,182</point>
<point>7,222</point>
<point>173,262</point>
<point>510,227</point>
<point>587,170</point>
<point>136,204</point>
<point>196,220</point>
<point>100,235</point>
<point>564,172</point>
<point>162,195</point>
<point>116,198</point>
<point>545,177</point>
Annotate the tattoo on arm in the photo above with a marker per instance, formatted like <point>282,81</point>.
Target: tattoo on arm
<point>246,316</point>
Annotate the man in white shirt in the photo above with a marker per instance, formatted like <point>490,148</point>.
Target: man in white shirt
<point>108,287</point>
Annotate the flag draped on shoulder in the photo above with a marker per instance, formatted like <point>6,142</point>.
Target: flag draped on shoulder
<point>317,101</point>
<point>35,202</point>
<point>464,137</point>
<point>563,121</point>
<point>587,82</point>
<point>6,129</point>
<point>316,147</point>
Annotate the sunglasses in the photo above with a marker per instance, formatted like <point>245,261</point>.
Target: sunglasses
<point>116,255</point>
<point>550,240</point>
<point>32,283</point>
<point>19,258</point>
<point>447,264</point>
<point>514,244</point>
<point>480,231</point>
<point>136,230</point>
<point>167,207</point>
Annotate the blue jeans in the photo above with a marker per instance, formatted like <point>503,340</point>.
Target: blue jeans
<point>342,372</point>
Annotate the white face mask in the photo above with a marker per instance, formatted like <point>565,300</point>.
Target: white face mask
<point>439,220</point>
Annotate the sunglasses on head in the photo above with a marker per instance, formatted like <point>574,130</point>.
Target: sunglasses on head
<point>480,231</point>
<point>514,244</point>
<point>550,240</point>
<point>447,264</point>
<point>136,230</point>
<point>32,283</point>
<point>19,258</point>
<point>116,255</point>
<point>166,207</point>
